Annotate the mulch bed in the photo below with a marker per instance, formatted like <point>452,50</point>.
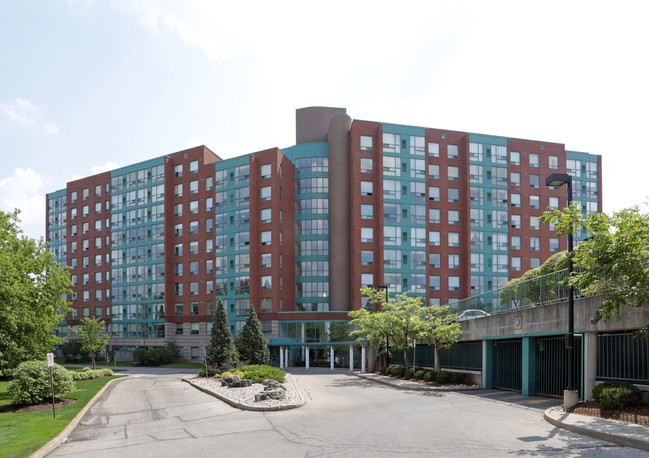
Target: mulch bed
<point>631,414</point>
<point>36,407</point>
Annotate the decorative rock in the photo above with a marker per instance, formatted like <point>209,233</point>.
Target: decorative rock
<point>235,382</point>
<point>272,385</point>
<point>270,394</point>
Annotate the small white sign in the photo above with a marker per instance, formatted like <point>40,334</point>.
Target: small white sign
<point>50,359</point>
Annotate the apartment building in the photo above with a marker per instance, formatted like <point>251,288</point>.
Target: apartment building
<point>296,232</point>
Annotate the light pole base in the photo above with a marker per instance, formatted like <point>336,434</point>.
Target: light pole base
<point>570,398</point>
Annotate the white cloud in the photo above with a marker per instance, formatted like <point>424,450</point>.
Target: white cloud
<point>25,190</point>
<point>26,113</point>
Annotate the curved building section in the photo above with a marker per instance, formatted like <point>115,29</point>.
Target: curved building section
<point>339,228</point>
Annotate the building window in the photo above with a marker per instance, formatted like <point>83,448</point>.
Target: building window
<point>193,207</point>
<point>367,165</point>
<point>534,263</point>
<point>193,308</point>
<point>266,238</point>
<point>454,239</point>
<point>515,158</point>
<point>475,151</point>
<point>366,188</point>
<point>453,261</point>
<point>453,151</point>
<point>178,210</point>
<point>265,171</point>
<point>534,223</point>
<point>193,187</point>
<point>515,179</point>
<point>434,215</point>
<point>265,193</point>
<point>367,211</point>
<point>453,195</point>
<point>178,170</point>
<point>554,245</point>
<point>366,143</point>
<point>534,181</point>
<point>433,149</point>
<point>453,283</point>
<point>367,234</point>
<point>193,167</point>
<point>535,243</point>
<point>193,247</point>
<point>433,171</point>
<point>367,258</point>
<point>367,280</point>
<point>266,260</point>
<point>434,282</point>
<point>434,260</point>
<point>266,215</point>
<point>516,221</point>
<point>553,162</point>
<point>178,289</point>
<point>534,160</point>
<point>433,193</point>
<point>516,263</point>
<point>391,143</point>
<point>454,217</point>
<point>266,282</point>
<point>453,173</point>
<point>179,329</point>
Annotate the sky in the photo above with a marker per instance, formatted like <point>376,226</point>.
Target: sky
<point>88,86</point>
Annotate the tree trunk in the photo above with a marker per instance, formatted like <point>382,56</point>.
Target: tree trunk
<point>94,366</point>
<point>438,360</point>
<point>405,358</point>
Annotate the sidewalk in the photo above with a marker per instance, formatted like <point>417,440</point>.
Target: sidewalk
<point>618,432</point>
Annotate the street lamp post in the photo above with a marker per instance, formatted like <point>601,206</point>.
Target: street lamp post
<point>570,395</point>
<point>387,337</point>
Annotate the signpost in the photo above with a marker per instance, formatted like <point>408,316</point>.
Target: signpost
<point>50,363</point>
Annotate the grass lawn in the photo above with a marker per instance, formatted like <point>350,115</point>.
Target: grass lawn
<point>21,434</point>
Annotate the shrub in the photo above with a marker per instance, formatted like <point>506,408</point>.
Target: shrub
<point>31,383</point>
<point>90,374</point>
<point>211,372</point>
<point>155,356</point>
<point>444,377</point>
<point>429,376</point>
<point>459,377</point>
<point>407,373</point>
<point>615,395</point>
<point>258,373</point>
<point>72,351</point>
<point>420,374</point>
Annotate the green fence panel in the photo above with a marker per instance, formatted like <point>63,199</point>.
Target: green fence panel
<point>622,356</point>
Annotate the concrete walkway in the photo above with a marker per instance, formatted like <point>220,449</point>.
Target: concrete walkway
<point>617,432</point>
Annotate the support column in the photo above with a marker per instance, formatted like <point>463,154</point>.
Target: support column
<point>306,357</point>
<point>487,363</point>
<point>351,358</point>
<point>363,359</point>
<point>286,357</point>
<point>528,368</point>
<point>331,357</point>
<point>281,357</point>
<point>590,364</point>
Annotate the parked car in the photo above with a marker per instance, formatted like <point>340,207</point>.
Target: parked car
<point>471,314</point>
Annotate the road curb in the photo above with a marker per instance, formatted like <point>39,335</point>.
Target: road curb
<point>619,432</point>
<point>63,435</point>
<point>238,405</point>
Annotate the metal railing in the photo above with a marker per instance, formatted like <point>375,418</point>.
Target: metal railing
<point>542,290</point>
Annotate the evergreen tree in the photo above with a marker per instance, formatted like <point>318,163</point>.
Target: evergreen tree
<point>221,352</point>
<point>252,343</point>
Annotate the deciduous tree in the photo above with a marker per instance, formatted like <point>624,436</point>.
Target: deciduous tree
<point>33,290</point>
<point>92,336</point>
<point>613,260</point>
